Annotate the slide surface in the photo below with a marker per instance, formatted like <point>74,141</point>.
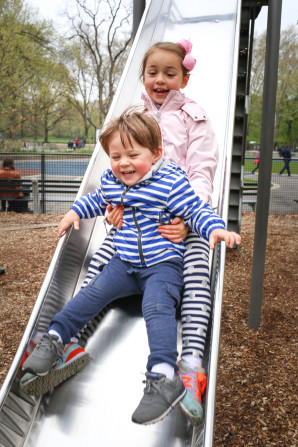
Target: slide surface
<point>94,407</point>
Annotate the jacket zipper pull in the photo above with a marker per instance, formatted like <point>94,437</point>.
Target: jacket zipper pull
<point>158,116</point>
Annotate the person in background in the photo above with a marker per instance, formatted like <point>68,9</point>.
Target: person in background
<point>287,155</point>
<point>257,161</point>
<point>8,171</point>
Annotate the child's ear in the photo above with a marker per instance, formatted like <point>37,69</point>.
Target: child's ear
<point>157,155</point>
<point>185,81</point>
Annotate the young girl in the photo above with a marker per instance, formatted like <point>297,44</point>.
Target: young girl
<point>187,139</point>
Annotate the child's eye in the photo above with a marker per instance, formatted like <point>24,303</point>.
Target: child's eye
<point>171,75</point>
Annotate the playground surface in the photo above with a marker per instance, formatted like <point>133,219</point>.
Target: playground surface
<point>256,390</point>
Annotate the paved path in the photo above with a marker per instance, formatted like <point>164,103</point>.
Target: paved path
<point>283,194</point>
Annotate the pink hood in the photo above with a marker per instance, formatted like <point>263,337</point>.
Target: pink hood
<point>187,139</point>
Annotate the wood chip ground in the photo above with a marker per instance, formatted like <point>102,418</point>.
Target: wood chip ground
<point>257,374</point>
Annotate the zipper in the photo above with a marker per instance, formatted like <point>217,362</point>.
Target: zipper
<point>126,188</point>
<point>158,116</point>
<point>141,254</point>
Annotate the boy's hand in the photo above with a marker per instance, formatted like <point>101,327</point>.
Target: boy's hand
<point>115,215</point>
<point>71,218</point>
<point>229,237</point>
<point>176,232</point>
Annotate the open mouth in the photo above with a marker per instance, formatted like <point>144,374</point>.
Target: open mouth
<point>128,172</point>
<point>160,91</point>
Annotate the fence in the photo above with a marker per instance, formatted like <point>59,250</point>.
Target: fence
<point>58,178</point>
<point>284,188</point>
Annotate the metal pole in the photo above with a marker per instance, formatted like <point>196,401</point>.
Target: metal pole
<point>138,9</point>
<point>267,140</point>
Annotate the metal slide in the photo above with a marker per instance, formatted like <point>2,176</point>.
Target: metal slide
<point>94,407</point>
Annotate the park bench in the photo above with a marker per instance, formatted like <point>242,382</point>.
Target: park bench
<point>40,191</point>
<point>249,194</point>
<point>17,185</point>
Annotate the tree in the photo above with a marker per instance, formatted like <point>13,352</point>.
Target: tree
<point>104,35</point>
<point>286,100</point>
<point>25,49</point>
<point>81,84</point>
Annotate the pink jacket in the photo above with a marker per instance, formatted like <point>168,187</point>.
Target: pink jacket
<point>187,139</point>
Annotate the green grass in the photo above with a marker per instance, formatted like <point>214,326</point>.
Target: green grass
<point>276,166</point>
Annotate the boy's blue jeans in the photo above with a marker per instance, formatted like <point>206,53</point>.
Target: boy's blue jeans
<point>161,286</point>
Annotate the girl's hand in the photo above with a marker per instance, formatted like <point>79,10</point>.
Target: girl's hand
<point>71,218</point>
<point>229,237</point>
<point>115,215</point>
<point>176,232</point>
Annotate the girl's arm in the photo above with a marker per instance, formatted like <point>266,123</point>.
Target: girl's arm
<point>176,232</point>
<point>115,215</point>
<point>201,158</point>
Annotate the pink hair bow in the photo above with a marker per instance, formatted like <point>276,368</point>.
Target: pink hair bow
<point>188,62</point>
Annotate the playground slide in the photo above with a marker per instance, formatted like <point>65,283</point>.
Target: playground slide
<point>94,407</point>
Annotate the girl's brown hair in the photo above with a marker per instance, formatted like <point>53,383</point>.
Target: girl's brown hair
<point>133,124</point>
<point>166,46</point>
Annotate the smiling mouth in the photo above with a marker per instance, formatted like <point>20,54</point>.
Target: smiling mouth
<point>160,90</point>
<point>128,172</point>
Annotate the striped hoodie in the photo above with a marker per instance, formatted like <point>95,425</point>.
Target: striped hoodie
<point>156,199</point>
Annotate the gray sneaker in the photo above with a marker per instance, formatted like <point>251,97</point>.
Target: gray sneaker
<point>46,354</point>
<point>160,397</point>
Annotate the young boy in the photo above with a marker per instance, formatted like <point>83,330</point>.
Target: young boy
<point>152,191</point>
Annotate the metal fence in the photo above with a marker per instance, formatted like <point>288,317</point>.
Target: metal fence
<point>284,188</point>
<point>59,176</point>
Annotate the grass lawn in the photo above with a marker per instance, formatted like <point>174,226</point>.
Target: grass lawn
<point>276,166</point>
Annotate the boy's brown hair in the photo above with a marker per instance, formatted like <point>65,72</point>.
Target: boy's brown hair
<point>166,46</point>
<point>133,124</point>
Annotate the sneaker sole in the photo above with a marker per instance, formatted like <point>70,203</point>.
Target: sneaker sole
<point>38,385</point>
<point>168,410</point>
<point>194,419</point>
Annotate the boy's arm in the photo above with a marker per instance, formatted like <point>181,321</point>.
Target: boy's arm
<point>70,218</point>
<point>90,205</point>
<point>229,237</point>
<point>201,217</point>
<point>183,202</point>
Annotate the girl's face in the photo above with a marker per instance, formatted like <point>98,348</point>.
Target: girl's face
<point>130,164</point>
<point>163,72</point>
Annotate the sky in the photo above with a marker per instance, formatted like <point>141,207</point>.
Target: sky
<point>53,9</point>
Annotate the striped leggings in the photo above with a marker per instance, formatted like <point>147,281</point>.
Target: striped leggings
<point>196,302</point>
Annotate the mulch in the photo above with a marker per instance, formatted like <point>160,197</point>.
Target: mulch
<point>257,374</point>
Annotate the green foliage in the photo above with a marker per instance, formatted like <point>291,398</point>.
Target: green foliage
<point>286,123</point>
<point>51,85</point>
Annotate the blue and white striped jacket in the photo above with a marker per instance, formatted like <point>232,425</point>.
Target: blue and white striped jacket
<point>150,203</point>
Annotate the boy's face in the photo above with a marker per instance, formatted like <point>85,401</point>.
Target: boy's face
<point>163,72</point>
<point>132,163</point>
